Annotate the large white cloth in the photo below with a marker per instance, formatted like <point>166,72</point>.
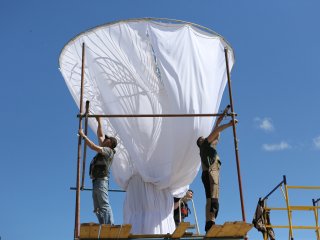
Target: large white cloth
<point>148,67</point>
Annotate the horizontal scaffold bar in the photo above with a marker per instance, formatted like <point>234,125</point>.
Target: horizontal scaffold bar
<point>90,189</point>
<point>304,187</point>
<point>155,115</point>
<point>294,227</point>
<point>306,208</point>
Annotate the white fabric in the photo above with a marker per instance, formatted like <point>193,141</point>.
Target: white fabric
<point>147,67</point>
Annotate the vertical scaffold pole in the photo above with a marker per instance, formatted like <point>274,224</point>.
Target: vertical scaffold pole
<point>235,135</point>
<point>77,210</point>
<point>288,207</point>
<point>315,210</point>
<point>85,145</point>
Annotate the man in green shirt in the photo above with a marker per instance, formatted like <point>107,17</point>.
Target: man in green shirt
<point>211,163</point>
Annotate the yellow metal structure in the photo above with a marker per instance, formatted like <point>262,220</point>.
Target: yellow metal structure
<point>315,204</point>
<point>290,208</point>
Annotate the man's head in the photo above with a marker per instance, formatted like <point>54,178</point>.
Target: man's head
<point>200,141</point>
<point>189,193</point>
<point>110,142</point>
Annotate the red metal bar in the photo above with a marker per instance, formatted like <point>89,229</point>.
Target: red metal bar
<point>157,115</point>
<point>85,145</point>
<point>77,210</point>
<point>90,189</point>
<point>235,136</point>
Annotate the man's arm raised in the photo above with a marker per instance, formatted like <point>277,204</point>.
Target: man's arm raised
<point>99,131</point>
<point>90,143</point>
<point>220,118</point>
<point>216,132</point>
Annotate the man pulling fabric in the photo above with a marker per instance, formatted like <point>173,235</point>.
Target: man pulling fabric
<point>99,173</point>
<point>211,163</point>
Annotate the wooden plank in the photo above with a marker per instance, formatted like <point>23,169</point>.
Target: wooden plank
<point>240,229</point>
<point>115,231</point>
<point>89,230</point>
<point>214,230</point>
<point>229,229</point>
<point>244,228</point>
<point>84,231</point>
<point>105,231</point>
<point>180,230</point>
<point>125,231</point>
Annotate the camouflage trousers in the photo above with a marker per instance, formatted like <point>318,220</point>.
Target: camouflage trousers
<point>211,182</point>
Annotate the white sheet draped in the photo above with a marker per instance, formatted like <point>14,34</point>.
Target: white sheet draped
<point>147,67</point>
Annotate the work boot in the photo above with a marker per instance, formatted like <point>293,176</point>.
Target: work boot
<point>209,224</point>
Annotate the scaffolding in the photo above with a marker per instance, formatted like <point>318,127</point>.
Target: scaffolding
<point>217,230</point>
<point>290,208</point>
<point>196,226</point>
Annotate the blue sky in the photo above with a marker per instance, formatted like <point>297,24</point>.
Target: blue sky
<point>275,84</point>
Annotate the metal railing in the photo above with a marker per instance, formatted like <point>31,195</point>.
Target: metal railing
<point>85,115</point>
<point>289,208</point>
<point>195,215</point>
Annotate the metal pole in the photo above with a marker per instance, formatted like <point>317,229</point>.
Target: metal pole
<point>316,218</point>
<point>85,145</point>
<point>235,135</point>
<point>195,217</point>
<point>77,211</point>
<point>90,189</point>
<point>180,210</point>
<point>272,191</point>
<point>156,115</point>
<point>288,207</point>
<point>265,233</point>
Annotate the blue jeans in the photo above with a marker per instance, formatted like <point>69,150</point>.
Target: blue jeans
<point>101,203</point>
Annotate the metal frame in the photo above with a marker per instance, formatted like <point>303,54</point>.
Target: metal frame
<point>235,136</point>
<point>315,203</point>
<point>77,211</point>
<point>85,145</point>
<point>155,115</point>
<point>154,20</point>
<point>87,115</point>
<point>289,208</point>
<point>195,215</point>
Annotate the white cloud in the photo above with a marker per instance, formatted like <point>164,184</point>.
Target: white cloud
<point>316,142</point>
<point>264,124</point>
<point>276,147</point>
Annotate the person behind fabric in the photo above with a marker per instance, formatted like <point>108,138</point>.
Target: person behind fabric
<point>99,173</point>
<point>184,209</point>
<point>211,163</point>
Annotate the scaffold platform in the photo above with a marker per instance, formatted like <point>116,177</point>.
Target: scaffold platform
<point>229,230</point>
